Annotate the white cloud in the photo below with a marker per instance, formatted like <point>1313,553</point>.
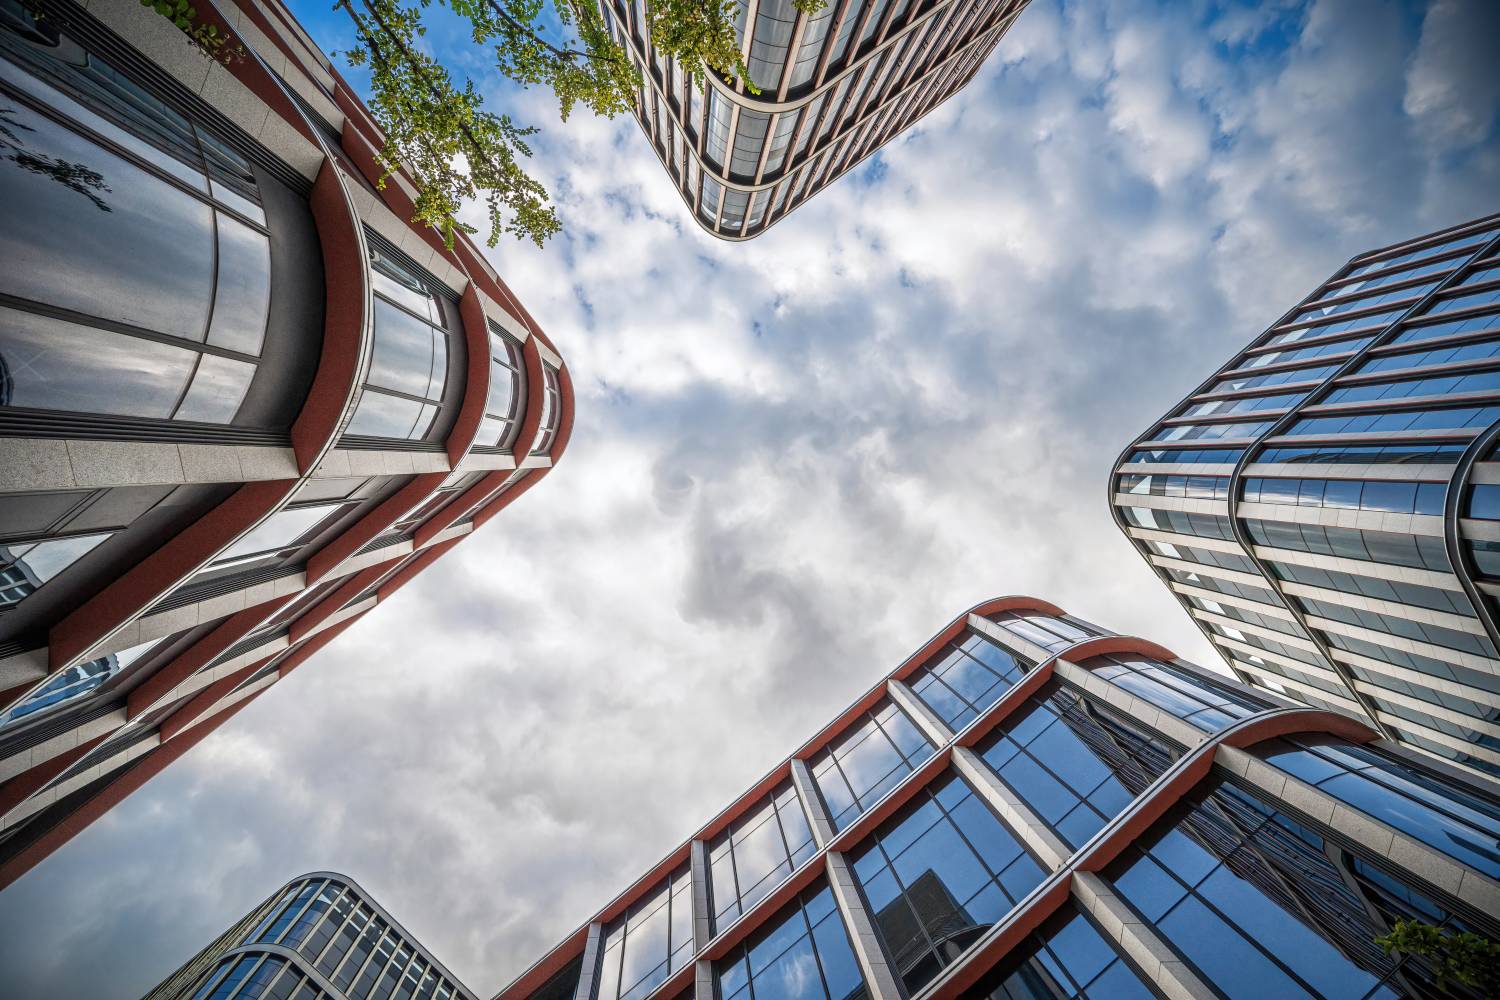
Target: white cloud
<point>794,459</point>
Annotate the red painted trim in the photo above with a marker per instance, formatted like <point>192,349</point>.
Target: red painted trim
<point>200,705</point>
<point>531,420</point>
<point>369,527</point>
<point>347,331</point>
<point>253,74</point>
<point>462,505</point>
<point>1029,684</point>
<point>555,959</point>
<point>745,802</point>
<point>28,782</point>
<point>1299,720</point>
<point>548,965</point>
<point>506,497</point>
<point>1117,644</point>
<point>108,797</point>
<point>415,565</point>
<point>151,579</point>
<point>476,379</point>
<point>1195,765</point>
<point>988,953</point>
<point>892,802</point>
<point>814,868</point>
<point>957,627</point>
<point>149,693</point>
<point>299,656</point>
<point>333,603</point>
<point>565,416</point>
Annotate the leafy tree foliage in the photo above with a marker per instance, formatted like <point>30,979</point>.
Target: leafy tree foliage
<point>438,129</point>
<point>1467,958</point>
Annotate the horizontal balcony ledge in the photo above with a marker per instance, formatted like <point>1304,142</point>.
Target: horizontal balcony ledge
<point>344,463</point>
<point>33,464</point>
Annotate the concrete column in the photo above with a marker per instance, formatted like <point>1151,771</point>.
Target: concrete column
<point>881,979</point>
<point>1156,961</point>
<point>812,801</point>
<point>703,979</point>
<point>588,978</point>
<point>934,728</point>
<point>703,928</point>
<point>1019,816</point>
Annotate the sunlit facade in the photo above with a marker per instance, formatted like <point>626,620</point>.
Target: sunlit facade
<point>242,400</point>
<point>1327,505</point>
<point>319,937</point>
<point>834,86</point>
<point>1032,807</point>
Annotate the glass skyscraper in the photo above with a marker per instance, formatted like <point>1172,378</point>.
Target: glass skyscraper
<point>319,937</point>
<point>1030,806</point>
<point>834,86</point>
<point>1327,505</point>
<point>242,399</point>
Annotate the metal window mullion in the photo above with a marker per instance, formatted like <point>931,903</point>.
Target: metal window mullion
<point>239,987</point>
<point>772,120</point>
<point>300,911</point>
<point>892,83</point>
<point>793,47</point>
<point>819,77</point>
<point>1236,477</point>
<point>752,12</point>
<point>886,17</point>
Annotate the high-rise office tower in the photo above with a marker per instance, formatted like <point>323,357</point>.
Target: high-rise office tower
<point>834,87</point>
<point>1327,505</point>
<point>242,399</point>
<point>1032,807</point>
<point>319,937</point>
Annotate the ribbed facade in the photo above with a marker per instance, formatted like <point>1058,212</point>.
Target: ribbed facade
<point>1327,505</point>
<point>834,87</point>
<point>1030,806</point>
<point>242,399</point>
<point>319,937</point>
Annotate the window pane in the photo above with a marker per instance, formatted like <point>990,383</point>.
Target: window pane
<point>218,388</point>
<point>56,365</point>
<point>71,208</point>
<point>242,299</point>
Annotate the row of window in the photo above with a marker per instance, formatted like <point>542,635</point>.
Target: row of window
<point>1184,522</point>
<point>1479,351</point>
<point>345,939</point>
<point>1416,551</point>
<point>1423,253</point>
<point>945,868</point>
<point>1449,419</point>
<point>1466,642</point>
<point>1192,487</point>
<point>1349,494</point>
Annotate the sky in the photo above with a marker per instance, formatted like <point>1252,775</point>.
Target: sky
<point>793,461</point>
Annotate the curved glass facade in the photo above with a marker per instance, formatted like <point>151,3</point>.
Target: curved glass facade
<point>1355,524</point>
<point>319,938</point>
<point>834,86</point>
<point>1110,813</point>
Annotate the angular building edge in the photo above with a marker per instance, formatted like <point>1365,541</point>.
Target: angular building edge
<point>289,113</point>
